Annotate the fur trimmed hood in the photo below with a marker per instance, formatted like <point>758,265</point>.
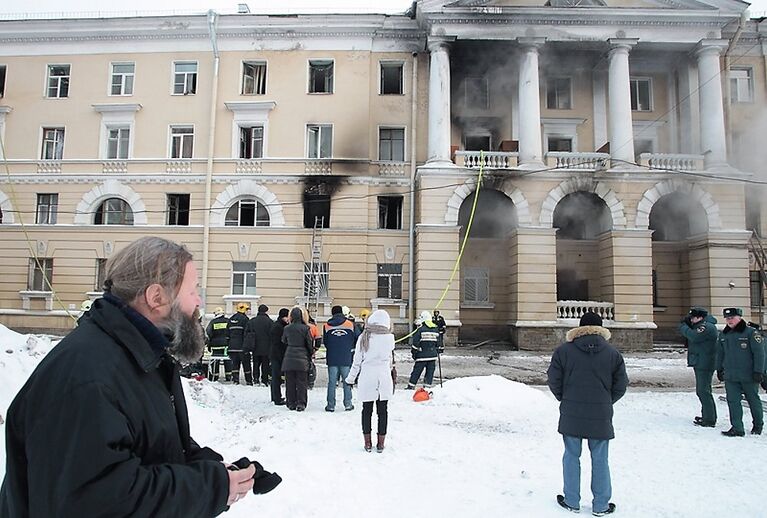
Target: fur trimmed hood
<point>587,330</point>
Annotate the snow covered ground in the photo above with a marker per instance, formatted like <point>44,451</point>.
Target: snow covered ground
<point>483,446</point>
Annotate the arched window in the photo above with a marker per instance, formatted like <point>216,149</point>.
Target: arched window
<point>113,211</point>
<point>247,213</point>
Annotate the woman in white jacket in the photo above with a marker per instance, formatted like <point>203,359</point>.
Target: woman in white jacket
<point>373,361</point>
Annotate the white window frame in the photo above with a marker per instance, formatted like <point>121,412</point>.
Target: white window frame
<point>569,93</point>
<point>404,143</point>
<point>173,73</point>
<point>322,128</point>
<point>105,212</point>
<point>178,210</point>
<point>735,97</point>
<point>48,69</point>
<point>51,212</point>
<point>60,142</point>
<point>390,63</point>
<point>124,76</point>
<point>556,136</point>
<point>248,275</point>
<point>256,222</point>
<point>182,139</point>
<point>637,79</point>
<point>98,281</point>
<point>46,272</point>
<point>389,277</point>
<point>243,127</point>
<point>561,127</point>
<point>324,278</point>
<point>242,76</point>
<point>477,275</point>
<point>120,128</point>
<point>309,76</point>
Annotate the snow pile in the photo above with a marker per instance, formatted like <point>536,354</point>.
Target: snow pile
<point>19,355</point>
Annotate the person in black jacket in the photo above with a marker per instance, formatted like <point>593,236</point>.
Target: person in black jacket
<point>237,353</point>
<point>298,355</point>
<point>587,375</point>
<point>218,340</point>
<point>276,354</point>
<point>258,340</point>
<point>101,426</point>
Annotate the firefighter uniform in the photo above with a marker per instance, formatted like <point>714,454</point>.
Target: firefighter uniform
<point>218,341</point>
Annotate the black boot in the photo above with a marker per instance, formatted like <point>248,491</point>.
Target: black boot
<point>610,510</point>
<point>705,424</point>
<point>732,432</point>
<point>561,502</point>
<point>757,429</point>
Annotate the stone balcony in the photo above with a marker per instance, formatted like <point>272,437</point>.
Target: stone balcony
<point>574,309</point>
<point>672,161</point>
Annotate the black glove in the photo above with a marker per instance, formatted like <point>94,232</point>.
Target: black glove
<point>412,353</point>
<point>441,350</point>
<point>720,374</point>
<point>263,481</point>
<point>687,320</point>
<point>758,377</point>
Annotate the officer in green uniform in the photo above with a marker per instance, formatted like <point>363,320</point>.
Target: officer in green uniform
<point>740,364</point>
<point>699,328</point>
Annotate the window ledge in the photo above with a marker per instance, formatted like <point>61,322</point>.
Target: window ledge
<point>93,295</point>
<point>376,303</point>
<point>477,305</point>
<point>231,299</point>
<point>659,309</point>
<point>28,295</point>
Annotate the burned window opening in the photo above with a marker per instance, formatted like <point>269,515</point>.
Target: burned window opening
<point>676,217</point>
<point>581,215</point>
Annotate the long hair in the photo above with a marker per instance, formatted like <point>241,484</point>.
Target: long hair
<point>146,261</point>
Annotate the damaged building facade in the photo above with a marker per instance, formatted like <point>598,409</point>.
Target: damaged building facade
<point>334,159</point>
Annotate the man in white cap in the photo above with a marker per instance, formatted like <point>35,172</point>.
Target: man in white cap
<point>424,348</point>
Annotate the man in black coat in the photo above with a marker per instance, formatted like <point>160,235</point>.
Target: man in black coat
<point>587,375</point>
<point>276,354</point>
<point>101,426</point>
<point>257,335</point>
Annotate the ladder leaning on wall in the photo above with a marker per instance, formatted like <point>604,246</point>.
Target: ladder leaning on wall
<point>756,247</point>
<point>316,279</point>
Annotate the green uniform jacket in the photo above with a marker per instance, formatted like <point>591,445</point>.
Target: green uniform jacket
<point>701,343</point>
<point>740,352</point>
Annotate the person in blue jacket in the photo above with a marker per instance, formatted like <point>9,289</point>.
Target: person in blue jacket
<point>699,328</point>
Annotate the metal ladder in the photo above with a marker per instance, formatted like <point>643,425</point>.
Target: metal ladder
<point>315,268</point>
<point>756,247</point>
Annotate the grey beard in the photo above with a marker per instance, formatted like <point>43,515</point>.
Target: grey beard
<point>187,342</point>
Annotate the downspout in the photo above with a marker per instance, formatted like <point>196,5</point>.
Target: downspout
<point>212,18</point>
<point>411,224</point>
<point>727,88</point>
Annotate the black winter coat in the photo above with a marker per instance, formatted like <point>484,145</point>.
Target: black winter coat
<point>587,375</point>
<point>218,332</point>
<point>300,347</point>
<point>277,351</point>
<point>257,334</point>
<point>237,323</point>
<point>101,429</point>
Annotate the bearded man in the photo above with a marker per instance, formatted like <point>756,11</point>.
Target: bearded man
<point>101,426</point>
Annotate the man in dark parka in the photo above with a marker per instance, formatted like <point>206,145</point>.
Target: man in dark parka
<point>101,427</point>
<point>699,328</point>
<point>257,336</point>
<point>587,375</point>
<point>740,364</point>
<point>276,354</point>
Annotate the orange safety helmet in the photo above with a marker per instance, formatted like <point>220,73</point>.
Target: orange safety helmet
<point>421,395</point>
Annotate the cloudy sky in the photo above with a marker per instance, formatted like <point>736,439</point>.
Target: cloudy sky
<point>223,6</point>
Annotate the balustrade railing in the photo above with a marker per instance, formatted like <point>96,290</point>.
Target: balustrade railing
<point>248,167</point>
<point>577,160</point>
<point>321,166</point>
<point>672,161</point>
<point>574,309</point>
<point>386,168</point>
<point>492,159</point>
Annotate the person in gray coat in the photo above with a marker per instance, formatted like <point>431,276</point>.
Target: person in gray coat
<point>298,353</point>
<point>587,375</point>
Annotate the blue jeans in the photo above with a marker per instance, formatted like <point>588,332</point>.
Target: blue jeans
<point>601,489</point>
<point>334,372</point>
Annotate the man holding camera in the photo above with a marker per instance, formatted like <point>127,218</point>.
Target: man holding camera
<point>699,328</point>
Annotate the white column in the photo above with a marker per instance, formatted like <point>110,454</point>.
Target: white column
<point>530,150</point>
<point>713,140</point>
<point>619,103</point>
<point>439,103</point>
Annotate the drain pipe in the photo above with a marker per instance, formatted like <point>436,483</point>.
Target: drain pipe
<point>411,224</point>
<point>212,18</point>
<point>727,87</point>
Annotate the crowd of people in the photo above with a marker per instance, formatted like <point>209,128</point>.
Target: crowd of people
<point>121,451</point>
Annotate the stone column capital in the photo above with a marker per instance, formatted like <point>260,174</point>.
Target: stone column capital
<point>621,45</point>
<point>440,43</point>
<point>530,44</point>
<point>707,47</point>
